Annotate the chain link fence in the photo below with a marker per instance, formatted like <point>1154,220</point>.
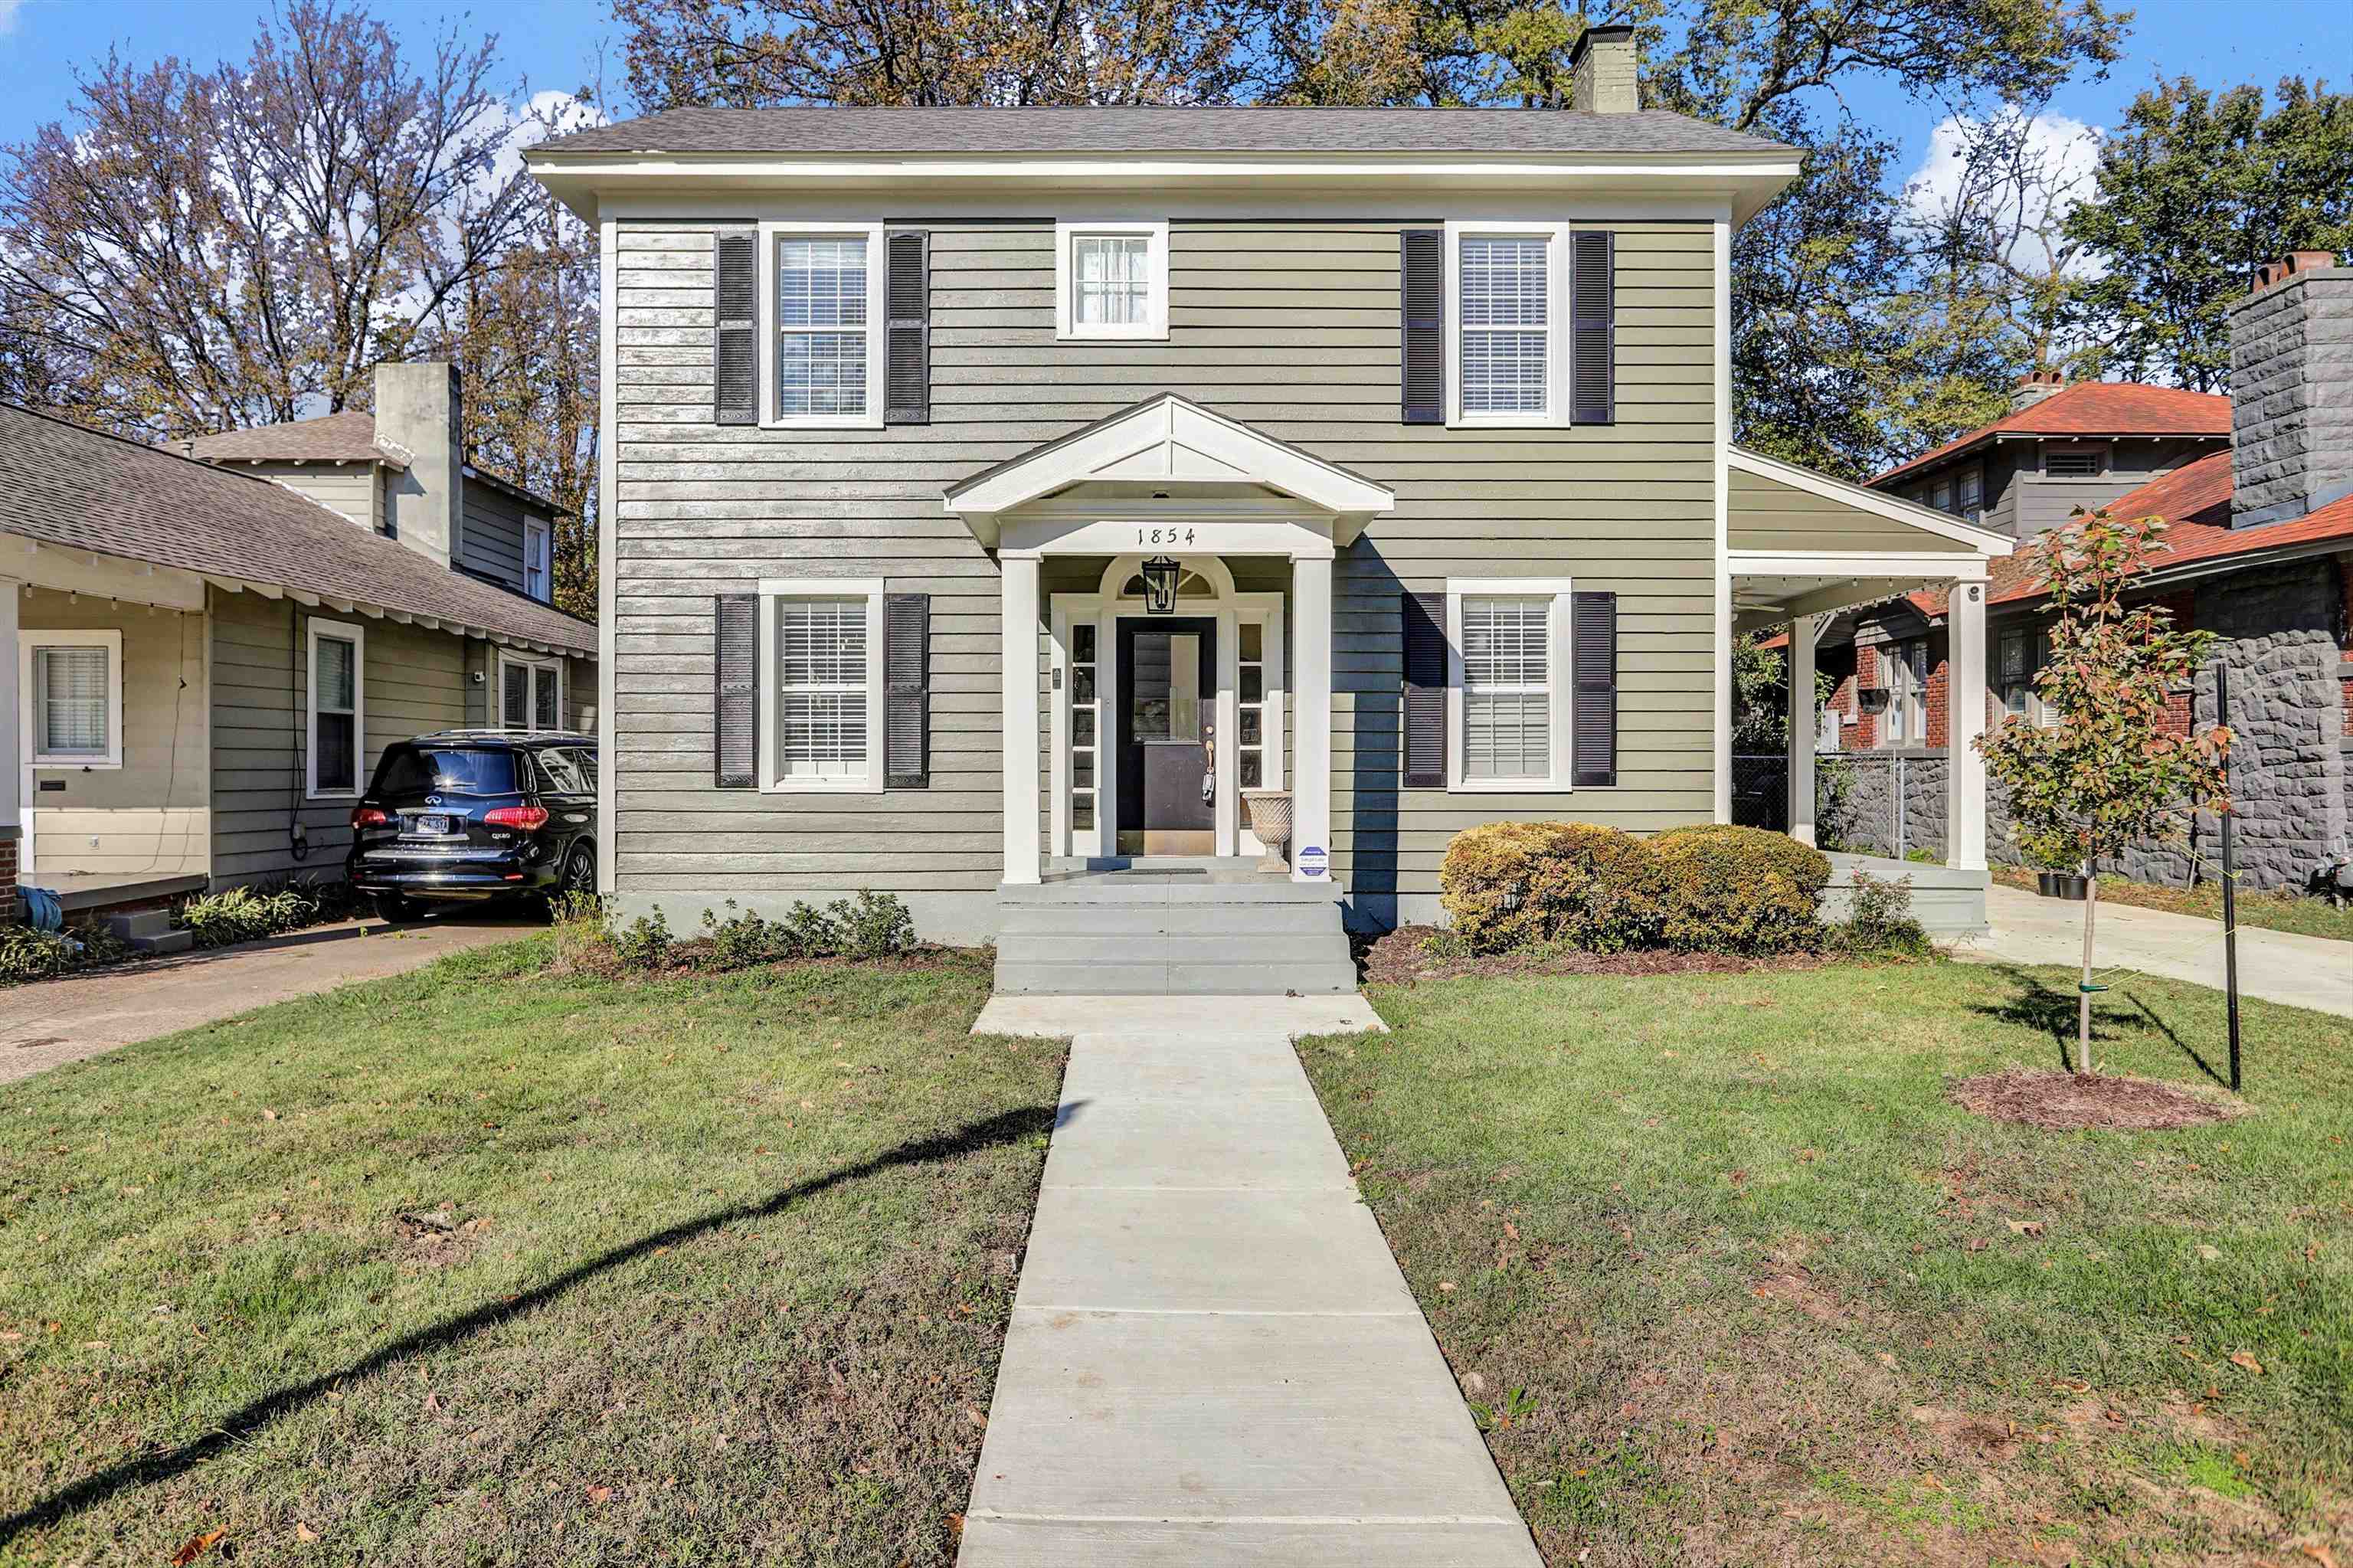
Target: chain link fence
<point>1888,803</point>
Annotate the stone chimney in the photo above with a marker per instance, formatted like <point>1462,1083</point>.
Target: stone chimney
<point>2034,386</point>
<point>421,416</point>
<point>2292,390</point>
<point>1601,72</point>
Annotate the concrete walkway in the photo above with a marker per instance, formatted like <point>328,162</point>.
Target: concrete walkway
<point>2276,966</point>
<point>1213,1360</point>
<point>52,1022</point>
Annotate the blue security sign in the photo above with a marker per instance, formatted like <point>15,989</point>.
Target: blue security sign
<point>1313,860</point>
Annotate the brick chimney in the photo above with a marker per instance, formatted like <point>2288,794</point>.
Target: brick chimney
<point>1601,72</point>
<point>2034,386</point>
<point>2292,390</point>
<point>420,413</point>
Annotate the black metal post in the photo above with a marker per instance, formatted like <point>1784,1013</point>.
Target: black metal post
<point>2230,882</point>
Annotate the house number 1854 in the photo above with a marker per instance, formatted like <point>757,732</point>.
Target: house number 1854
<point>1164,535</point>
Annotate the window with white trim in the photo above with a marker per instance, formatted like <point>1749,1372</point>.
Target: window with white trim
<point>1111,280</point>
<point>821,347</point>
<point>1505,292</point>
<point>530,692</point>
<point>821,645</point>
<point>338,678</point>
<point>1509,692</point>
<point>73,698</point>
<point>2023,652</point>
<point>1903,671</point>
<point>537,563</point>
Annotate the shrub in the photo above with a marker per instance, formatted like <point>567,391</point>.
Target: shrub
<point>1880,923</point>
<point>1517,884</point>
<point>871,926</point>
<point>1739,890</point>
<point>26,954</point>
<point>249,914</point>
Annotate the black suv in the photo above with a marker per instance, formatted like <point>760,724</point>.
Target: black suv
<point>474,814</point>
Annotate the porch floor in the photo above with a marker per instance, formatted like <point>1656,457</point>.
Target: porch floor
<point>1165,870</point>
<point>78,891</point>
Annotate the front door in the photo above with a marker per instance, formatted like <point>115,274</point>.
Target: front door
<point>1168,722</point>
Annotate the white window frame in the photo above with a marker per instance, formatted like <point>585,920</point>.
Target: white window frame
<point>531,662</point>
<point>771,775</point>
<point>1155,328</point>
<point>877,324</point>
<point>1556,324</point>
<point>1558,678</point>
<point>342,631</point>
<point>539,556</point>
<point>111,641</point>
<point>1912,688</point>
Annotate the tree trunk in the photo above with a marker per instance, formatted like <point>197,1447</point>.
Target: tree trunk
<point>2083,990</point>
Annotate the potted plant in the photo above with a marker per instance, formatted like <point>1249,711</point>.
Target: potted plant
<point>2064,880</point>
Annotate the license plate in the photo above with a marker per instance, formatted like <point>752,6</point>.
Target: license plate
<point>430,825</point>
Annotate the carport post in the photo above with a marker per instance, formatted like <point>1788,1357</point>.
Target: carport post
<point>1804,719</point>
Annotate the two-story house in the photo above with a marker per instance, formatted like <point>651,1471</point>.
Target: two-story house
<point>997,498</point>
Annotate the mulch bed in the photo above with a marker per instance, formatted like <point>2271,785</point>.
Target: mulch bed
<point>2067,1102</point>
<point>1404,957</point>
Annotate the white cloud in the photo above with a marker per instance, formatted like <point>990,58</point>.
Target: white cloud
<point>8,9</point>
<point>523,125</point>
<point>2049,171</point>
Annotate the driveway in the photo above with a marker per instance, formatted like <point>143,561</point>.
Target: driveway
<point>2276,966</point>
<point>53,1022</point>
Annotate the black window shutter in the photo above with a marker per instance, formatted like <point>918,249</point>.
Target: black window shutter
<point>1593,328</point>
<point>736,336</point>
<point>907,395</point>
<point>1424,719</point>
<point>907,691</point>
<point>1421,304</point>
<point>736,709</point>
<point>1593,719</point>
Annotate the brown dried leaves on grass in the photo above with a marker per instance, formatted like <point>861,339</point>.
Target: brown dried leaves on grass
<point>2068,1102</point>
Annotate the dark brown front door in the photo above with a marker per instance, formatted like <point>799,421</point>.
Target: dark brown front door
<point>1168,711</point>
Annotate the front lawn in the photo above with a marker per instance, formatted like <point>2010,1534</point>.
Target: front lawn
<point>2273,910</point>
<point>482,1265</point>
<point>1732,1282</point>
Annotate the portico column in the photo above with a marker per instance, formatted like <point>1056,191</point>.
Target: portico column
<point>1311,784</point>
<point>1964,718</point>
<point>1018,660</point>
<point>1805,719</point>
<point>11,783</point>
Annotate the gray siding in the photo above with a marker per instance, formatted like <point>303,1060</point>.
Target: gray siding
<point>489,537</point>
<point>1769,515</point>
<point>2021,501</point>
<point>1292,329</point>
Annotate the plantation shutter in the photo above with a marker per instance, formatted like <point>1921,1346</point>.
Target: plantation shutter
<point>736,738</point>
<point>907,691</point>
<point>736,336</point>
<point>1593,717</point>
<point>1593,328</point>
<point>907,392</point>
<point>1422,334</point>
<point>1423,730</point>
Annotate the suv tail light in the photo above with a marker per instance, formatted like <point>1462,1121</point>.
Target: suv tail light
<point>524,817</point>
<point>369,816</point>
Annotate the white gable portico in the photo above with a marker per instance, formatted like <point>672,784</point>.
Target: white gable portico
<point>1167,478</point>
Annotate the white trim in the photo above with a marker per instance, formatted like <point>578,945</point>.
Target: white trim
<point>1879,503</point>
<point>877,324</point>
<point>1154,327</point>
<point>1559,684</point>
<point>1724,627</point>
<point>609,552</point>
<point>1556,250</point>
<point>1965,722</point>
<point>771,775</point>
<point>343,631</point>
<point>544,665</point>
<point>26,641</point>
<point>1805,720</point>
<point>1913,564</point>
<point>1017,650</point>
<point>538,529</point>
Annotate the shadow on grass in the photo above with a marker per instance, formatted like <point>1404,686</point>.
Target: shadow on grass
<point>2042,1006</point>
<point>1008,1127</point>
<point>2148,1015</point>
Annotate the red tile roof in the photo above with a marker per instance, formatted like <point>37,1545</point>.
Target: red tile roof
<point>2094,408</point>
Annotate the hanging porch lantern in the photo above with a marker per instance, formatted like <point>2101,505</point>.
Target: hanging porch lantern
<point>1160,575</point>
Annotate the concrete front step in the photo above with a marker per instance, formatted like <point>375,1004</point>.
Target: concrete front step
<point>1151,979</point>
<point>1144,936</point>
<point>151,931</point>
<point>1164,920</point>
<point>1175,947</point>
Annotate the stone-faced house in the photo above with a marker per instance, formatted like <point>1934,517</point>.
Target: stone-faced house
<point>2260,551</point>
<point>998,496</point>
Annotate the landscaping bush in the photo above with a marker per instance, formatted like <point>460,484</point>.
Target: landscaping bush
<point>1739,890</point>
<point>249,914</point>
<point>1517,884</point>
<point>26,954</point>
<point>1880,924</point>
<point>871,926</point>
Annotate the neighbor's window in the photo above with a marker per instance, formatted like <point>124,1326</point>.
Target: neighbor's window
<point>74,683</point>
<point>1903,667</point>
<point>1507,688</point>
<point>822,644</point>
<point>2075,463</point>
<point>2024,651</point>
<point>335,702</point>
<point>536,573</point>
<point>822,353</point>
<point>1940,496</point>
<point>530,692</point>
<point>1505,292</point>
<point>1111,280</point>
<point>1972,495</point>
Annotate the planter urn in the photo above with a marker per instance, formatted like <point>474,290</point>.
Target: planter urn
<point>1269,817</point>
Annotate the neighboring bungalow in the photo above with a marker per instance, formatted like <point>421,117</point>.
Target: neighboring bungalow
<point>2267,562</point>
<point>209,662</point>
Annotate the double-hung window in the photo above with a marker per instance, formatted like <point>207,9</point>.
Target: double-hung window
<point>821,649</point>
<point>824,345</point>
<point>1904,668</point>
<point>530,692</point>
<point>1508,641</point>
<point>1972,495</point>
<point>1111,280</point>
<point>338,675</point>
<point>2023,652</point>
<point>1504,289</point>
<point>537,564</point>
<point>73,695</point>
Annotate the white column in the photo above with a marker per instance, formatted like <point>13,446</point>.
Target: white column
<point>1311,782</point>
<point>12,596</point>
<point>1964,718</point>
<point>1018,657</point>
<point>1804,720</point>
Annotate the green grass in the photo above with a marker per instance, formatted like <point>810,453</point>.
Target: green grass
<point>2273,910</point>
<point>730,1265</point>
<point>1766,1296</point>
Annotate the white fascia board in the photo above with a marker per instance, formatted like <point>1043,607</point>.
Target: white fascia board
<point>1877,503</point>
<point>1921,566</point>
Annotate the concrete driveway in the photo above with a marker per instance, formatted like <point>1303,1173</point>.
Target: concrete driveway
<point>2302,971</point>
<point>65,1020</point>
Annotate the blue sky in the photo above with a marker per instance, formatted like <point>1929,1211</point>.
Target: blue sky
<point>561,44</point>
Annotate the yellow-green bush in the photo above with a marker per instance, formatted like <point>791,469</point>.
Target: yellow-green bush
<point>1739,890</point>
<point>1515,884</point>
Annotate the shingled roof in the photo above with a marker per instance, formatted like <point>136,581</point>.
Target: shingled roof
<point>64,485</point>
<point>2092,409</point>
<point>347,437</point>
